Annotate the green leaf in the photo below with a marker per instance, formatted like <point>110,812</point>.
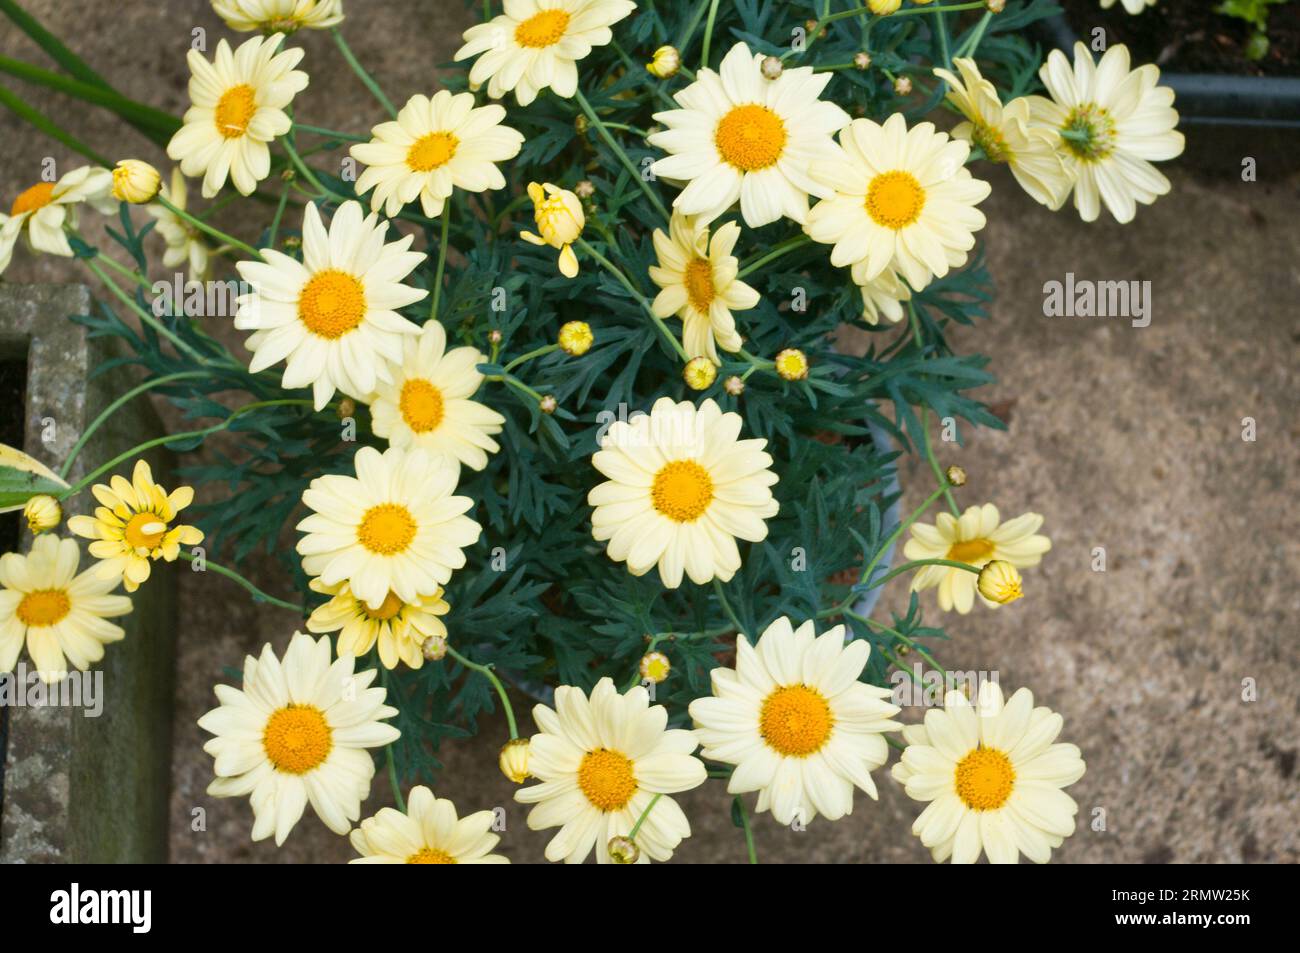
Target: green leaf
<point>22,477</point>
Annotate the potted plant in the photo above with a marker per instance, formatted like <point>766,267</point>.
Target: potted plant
<point>542,380</point>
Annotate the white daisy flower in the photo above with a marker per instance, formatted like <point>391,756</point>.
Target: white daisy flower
<point>742,136</point>
<point>902,199</point>
<point>399,628</point>
<point>1005,135</point>
<point>61,615</point>
<point>881,295</point>
<point>601,761</point>
<point>393,528</point>
<point>793,718</point>
<point>44,210</point>
<point>427,403</point>
<point>1112,124</point>
<point>977,538</point>
<point>682,488</point>
<point>698,278</point>
<point>537,43</point>
<point>279,16</point>
<point>435,144</point>
<point>297,731</point>
<point>428,833</point>
<point>993,778</point>
<point>239,107</point>
<point>185,244</point>
<point>1132,6</point>
<point>333,316</point>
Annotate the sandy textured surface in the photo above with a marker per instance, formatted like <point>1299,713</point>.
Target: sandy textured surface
<point>1127,439</point>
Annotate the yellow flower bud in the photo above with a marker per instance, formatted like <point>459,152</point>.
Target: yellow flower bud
<point>699,373</point>
<point>903,86</point>
<point>655,667</point>
<point>999,582</point>
<point>434,648</point>
<point>43,513</point>
<point>996,6</point>
<point>560,219</point>
<point>135,182</point>
<point>514,760</point>
<point>667,61</point>
<point>883,8</point>
<point>792,364</point>
<point>772,67</point>
<point>862,60</point>
<point>623,850</point>
<point>955,476</point>
<point>575,338</point>
<point>548,404</point>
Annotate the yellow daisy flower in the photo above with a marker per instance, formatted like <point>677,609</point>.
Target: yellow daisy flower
<point>61,614</point>
<point>698,278</point>
<point>43,210</point>
<point>279,16</point>
<point>399,627</point>
<point>560,219</point>
<point>428,833</point>
<point>977,538</point>
<point>134,524</point>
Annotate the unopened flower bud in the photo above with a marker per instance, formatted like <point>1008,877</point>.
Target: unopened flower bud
<point>494,336</point>
<point>514,760</point>
<point>135,181</point>
<point>883,8</point>
<point>996,6</point>
<point>434,648</point>
<point>792,364</point>
<point>581,124</point>
<point>575,338</point>
<point>862,60</point>
<point>999,582</point>
<point>347,408</point>
<point>584,189</point>
<point>292,242</point>
<point>955,476</point>
<point>654,667</point>
<point>903,86</point>
<point>699,373</point>
<point>43,513</point>
<point>772,67</point>
<point>734,386</point>
<point>667,61</point>
<point>623,850</point>
<point>547,404</point>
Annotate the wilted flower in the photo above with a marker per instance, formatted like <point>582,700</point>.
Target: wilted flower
<point>559,217</point>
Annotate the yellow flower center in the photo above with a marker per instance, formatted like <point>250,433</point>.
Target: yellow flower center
<point>542,29</point>
<point>990,139</point>
<point>297,738</point>
<point>332,304</point>
<point>429,152</point>
<point>421,405</point>
<point>145,530</point>
<point>970,551</point>
<point>682,491</point>
<point>606,779</point>
<point>44,607</point>
<point>235,111</point>
<point>984,779</point>
<point>387,609</point>
<point>750,137</point>
<point>895,199</point>
<point>29,200</point>
<point>699,284</point>
<point>430,855</point>
<point>796,720</point>
<point>386,529</point>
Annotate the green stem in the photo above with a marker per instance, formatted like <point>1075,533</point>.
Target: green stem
<point>972,42</point>
<point>645,303</point>
<point>108,412</point>
<point>305,171</point>
<point>142,314</point>
<point>392,779</point>
<point>899,636</point>
<point>688,29</point>
<point>525,358</point>
<point>486,672</point>
<point>731,614</point>
<point>636,828</point>
<point>365,77</point>
<point>941,30</point>
<point>939,476</point>
<point>442,262</point>
<point>205,227</point>
<point>708,33</point>
<point>918,563</point>
<point>749,832</point>
<point>279,214</point>
<point>329,133</point>
<point>258,594</point>
<point>620,154</point>
<point>789,245</point>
